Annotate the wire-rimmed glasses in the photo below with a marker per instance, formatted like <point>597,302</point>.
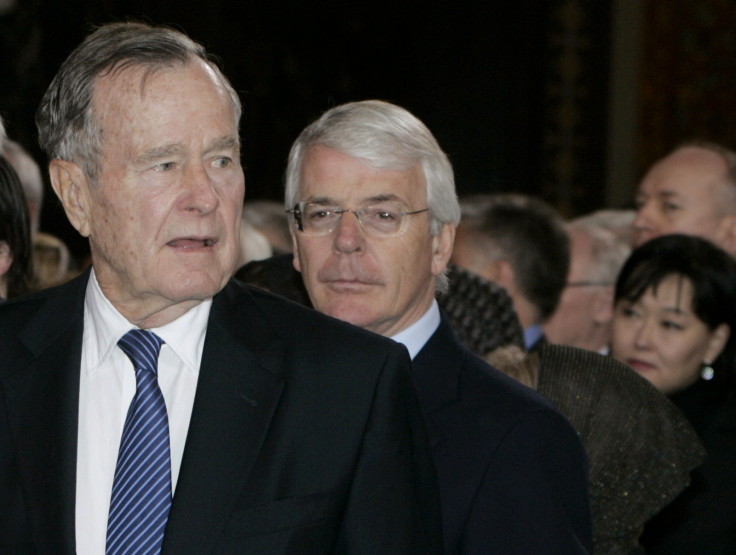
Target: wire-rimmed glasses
<point>379,220</point>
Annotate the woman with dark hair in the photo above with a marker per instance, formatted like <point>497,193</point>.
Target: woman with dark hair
<point>675,325</point>
<point>15,235</point>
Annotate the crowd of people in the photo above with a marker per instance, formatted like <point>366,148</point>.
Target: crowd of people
<point>371,366</point>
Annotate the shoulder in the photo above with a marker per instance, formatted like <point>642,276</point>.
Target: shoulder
<point>512,401</point>
<point>51,308</point>
<point>492,399</point>
<point>302,330</point>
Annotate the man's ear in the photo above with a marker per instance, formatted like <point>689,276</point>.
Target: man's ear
<point>603,307</point>
<point>72,187</point>
<point>6,258</point>
<point>726,234</point>
<point>294,248</point>
<point>442,248</point>
<point>505,275</point>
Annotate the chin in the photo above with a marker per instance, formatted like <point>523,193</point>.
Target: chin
<point>356,314</point>
<point>195,286</point>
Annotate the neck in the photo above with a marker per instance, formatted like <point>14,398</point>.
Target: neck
<point>526,311</point>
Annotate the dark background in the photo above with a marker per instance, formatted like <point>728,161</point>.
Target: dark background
<point>517,93</point>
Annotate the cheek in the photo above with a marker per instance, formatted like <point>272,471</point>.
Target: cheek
<point>688,354</point>
<point>621,338</point>
<point>309,255</point>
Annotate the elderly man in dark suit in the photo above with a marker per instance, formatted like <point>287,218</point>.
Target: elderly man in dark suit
<point>374,211</point>
<point>152,405</point>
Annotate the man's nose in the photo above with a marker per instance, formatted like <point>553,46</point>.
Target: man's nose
<point>348,234</point>
<point>644,224</point>
<point>201,195</point>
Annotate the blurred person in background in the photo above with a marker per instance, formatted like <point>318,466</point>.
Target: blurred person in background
<point>584,314</point>
<point>30,177</point>
<point>520,243</point>
<point>16,268</point>
<point>674,324</point>
<point>270,219</point>
<point>693,191</point>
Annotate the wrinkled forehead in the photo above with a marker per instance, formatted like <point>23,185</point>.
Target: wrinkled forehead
<point>332,175</point>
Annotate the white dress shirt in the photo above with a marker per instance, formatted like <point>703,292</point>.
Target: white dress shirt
<point>415,336</point>
<point>106,388</point>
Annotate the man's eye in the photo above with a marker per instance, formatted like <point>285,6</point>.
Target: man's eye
<point>319,214</point>
<point>164,166</point>
<point>222,162</point>
<point>383,214</point>
<point>669,207</point>
<point>670,325</point>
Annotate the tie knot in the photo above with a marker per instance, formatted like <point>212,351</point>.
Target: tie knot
<point>142,348</point>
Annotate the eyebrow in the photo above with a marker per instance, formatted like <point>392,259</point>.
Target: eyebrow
<point>157,153</point>
<point>667,194</point>
<point>225,142</point>
<point>324,201</point>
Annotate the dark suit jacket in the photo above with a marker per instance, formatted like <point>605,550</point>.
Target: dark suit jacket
<point>512,472</point>
<point>305,435</point>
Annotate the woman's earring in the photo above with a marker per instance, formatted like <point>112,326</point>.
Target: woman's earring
<point>706,371</point>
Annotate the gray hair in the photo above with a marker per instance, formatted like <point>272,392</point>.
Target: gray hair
<point>67,127</point>
<point>610,240</point>
<point>388,137</point>
<point>385,136</point>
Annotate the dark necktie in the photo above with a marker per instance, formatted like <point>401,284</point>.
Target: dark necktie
<point>141,491</point>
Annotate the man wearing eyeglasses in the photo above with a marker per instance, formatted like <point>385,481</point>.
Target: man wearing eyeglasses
<point>373,210</point>
<point>584,315</point>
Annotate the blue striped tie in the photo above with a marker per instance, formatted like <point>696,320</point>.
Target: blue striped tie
<point>141,491</point>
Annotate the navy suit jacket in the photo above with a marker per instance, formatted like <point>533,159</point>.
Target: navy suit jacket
<point>512,471</point>
<point>305,436</point>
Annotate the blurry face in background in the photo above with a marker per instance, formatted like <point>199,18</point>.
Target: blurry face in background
<point>662,339</point>
<point>585,304</point>
<point>685,193</point>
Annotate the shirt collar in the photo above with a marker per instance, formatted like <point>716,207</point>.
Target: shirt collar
<point>104,326</point>
<point>415,336</point>
<point>532,334</point>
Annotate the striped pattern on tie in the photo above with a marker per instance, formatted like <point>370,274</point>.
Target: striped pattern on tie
<point>141,492</point>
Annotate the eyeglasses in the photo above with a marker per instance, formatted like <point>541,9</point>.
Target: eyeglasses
<point>378,220</point>
<point>587,283</point>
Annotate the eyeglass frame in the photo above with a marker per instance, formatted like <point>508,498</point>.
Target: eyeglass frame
<point>585,283</point>
<point>298,209</point>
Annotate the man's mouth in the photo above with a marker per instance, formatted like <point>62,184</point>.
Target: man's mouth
<point>192,243</point>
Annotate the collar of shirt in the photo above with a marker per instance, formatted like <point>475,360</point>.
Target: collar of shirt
<point>415,336</point>
<point>532,334</point>
<point>104,326</point>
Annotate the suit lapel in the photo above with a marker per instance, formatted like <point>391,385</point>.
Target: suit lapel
<point>237,392</point>
<point>43,407</point>
<point>436,370</point>
<point>437,367</point>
